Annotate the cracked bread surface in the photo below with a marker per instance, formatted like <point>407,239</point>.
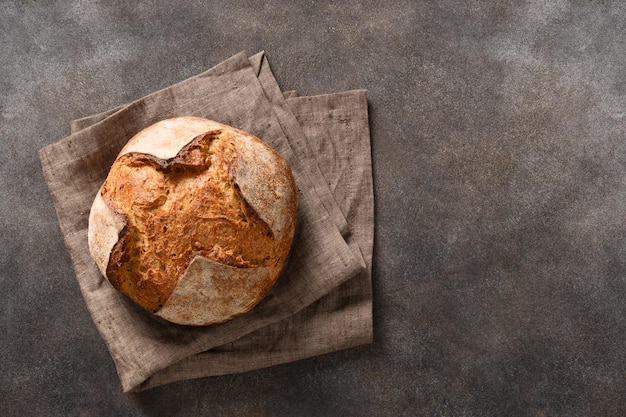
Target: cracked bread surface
<point>203,233</point>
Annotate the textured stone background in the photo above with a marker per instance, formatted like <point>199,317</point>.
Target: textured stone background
<point>498,135</point>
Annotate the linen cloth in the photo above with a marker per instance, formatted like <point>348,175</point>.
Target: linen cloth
<point>322,300</point>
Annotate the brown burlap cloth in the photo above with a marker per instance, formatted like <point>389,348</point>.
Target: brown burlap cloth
<point>322,301</point>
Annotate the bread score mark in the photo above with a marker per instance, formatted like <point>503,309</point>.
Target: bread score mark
<point>177,209</point>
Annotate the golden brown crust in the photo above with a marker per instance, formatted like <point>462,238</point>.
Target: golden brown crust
<point>200,204</point>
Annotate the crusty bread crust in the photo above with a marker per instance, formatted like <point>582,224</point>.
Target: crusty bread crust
<point>194,221</point>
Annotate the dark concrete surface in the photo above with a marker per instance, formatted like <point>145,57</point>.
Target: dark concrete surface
<point>498,136</point>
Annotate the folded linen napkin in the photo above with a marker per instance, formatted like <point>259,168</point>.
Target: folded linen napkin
<point>321,302</point>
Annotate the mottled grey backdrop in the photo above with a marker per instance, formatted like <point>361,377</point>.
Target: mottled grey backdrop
<point>499,147</point>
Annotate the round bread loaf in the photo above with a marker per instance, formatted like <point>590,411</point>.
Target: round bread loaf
<point>194,221</point>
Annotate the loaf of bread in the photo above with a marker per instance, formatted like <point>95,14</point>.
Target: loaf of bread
<point>194,221</point>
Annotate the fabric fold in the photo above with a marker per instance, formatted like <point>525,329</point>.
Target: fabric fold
<point>328,276</point>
